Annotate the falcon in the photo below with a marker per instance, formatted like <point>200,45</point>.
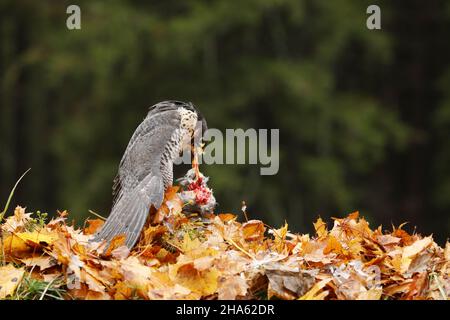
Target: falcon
<point>146,168</point>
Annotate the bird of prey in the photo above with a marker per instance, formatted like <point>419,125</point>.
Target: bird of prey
<point>146,168</point>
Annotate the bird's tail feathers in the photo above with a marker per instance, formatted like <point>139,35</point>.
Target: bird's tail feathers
<point>131,210</point>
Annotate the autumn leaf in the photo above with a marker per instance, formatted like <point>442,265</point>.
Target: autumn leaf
<point>315,292</point>
<point>253,230</point>
<point>412,250</point>
<point>171,204</point>
<point>115,243</point>
<point>43,262</point>
<point>14,245</point>
<point>38,237</point>
<point>232,287</point>
<point>189,244</point>
<point>153,232</point>
<point>17,221</point>
<point>321,228</point>
<point>203,282</point>
<point>225,217</point>
<point>93,226</point>
<point>371,294</point>
<point>10,277</point>
<point>287,283</point>
<point>333,245</point>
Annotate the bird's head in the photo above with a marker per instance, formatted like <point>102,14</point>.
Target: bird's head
<point>188,112</point>
<point>189,106</point>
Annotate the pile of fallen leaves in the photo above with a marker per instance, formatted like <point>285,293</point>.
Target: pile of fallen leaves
<point>185,256</point>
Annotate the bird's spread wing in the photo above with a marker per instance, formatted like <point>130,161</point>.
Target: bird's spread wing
<point>139,183</point>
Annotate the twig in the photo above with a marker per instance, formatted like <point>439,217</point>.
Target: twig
<point>241,249</point>
<point>97,215</point>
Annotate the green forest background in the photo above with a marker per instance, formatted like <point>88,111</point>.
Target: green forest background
<point>364,116</point>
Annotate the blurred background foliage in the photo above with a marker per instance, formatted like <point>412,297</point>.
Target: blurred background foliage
<point>364,116</point>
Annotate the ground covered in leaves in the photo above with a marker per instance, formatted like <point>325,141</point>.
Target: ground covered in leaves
<point>185,256</point>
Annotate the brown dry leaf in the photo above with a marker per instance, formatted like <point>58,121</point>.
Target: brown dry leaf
<point>120,253</point>
<point>232,287</point>
<point>204,263</point>
<point>315,292</point>
<point>387,239</point>
<point>10,277</point>
<point>395,289</point>
<point>95,295</point>
<point>406,239</point>
<point>43,262</point>
<point>50,277</point>
<point>176,292</point>
<point>412,250</point>
<point>253,230</point>
<point>314,252</point>
<point>171,204</point>
<point>287,283</point>
<point>153,232</point>
<point>17,221</point>
<point>226,217</point>
<point>89,276</point>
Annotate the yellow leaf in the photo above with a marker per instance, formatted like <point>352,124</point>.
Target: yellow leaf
<point>225,217</point>
<point>321,228</point>
<point>372,294</point>
<point>38,237</point>
<point>412,250</point>
<point>204,283</point>
<point>188,244</point>
<point>123,291</point>
<point>10,278</point>
<point>14,245</point>
<point>280,237</point>
<point>253,230</point>
<point>135,273</point>
<point>333,245</point>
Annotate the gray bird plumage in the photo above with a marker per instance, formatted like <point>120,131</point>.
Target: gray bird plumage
<point>146,168</point>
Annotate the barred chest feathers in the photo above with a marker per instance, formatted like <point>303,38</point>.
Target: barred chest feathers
<point>180,139</point>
